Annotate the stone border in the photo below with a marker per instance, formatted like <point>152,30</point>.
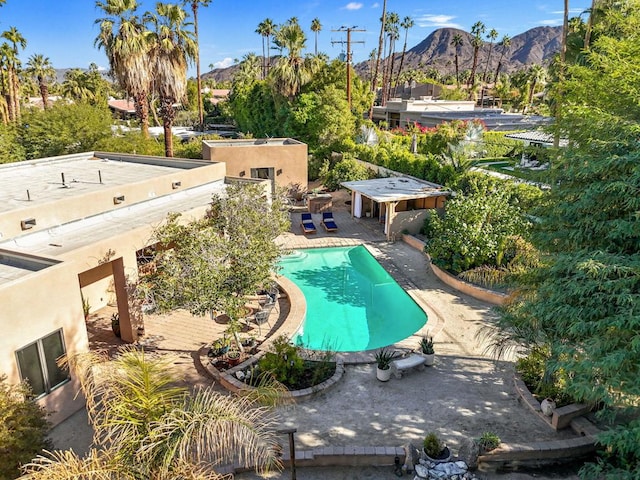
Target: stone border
<point>484,294</point>
<point>290,324</point>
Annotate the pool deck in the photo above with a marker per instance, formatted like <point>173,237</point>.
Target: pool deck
<point>465,394</point>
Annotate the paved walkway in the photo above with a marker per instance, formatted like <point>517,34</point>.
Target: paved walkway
<point>462,396</point>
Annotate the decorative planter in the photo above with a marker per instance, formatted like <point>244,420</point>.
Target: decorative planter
<point>547,406</point>
<point>383,375</point>
<point>445,456</point>
<point>233,357</point>
<point>429,359</point>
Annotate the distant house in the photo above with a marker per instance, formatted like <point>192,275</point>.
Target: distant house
<point>124,109</point>
<point>534,142</point>
<point>216,94</point>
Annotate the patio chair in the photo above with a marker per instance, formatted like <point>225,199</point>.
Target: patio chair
<point>307,223</point>
<point>328,222</point>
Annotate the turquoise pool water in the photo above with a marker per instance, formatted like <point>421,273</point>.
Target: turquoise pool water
<point>353,304</point>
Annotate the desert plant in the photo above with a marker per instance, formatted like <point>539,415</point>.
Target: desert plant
<point>86,307</point>
<point>432,445</point>
<point>489,441</point>
<point>384,356</point>
<point>426,345</point>
<point>283,362</point>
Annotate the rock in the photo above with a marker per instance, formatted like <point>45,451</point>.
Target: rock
<point>422,471</point>
<point>240,375</point>
<point>461,465</point>
<point>411,457</point>
<point>469,452</point>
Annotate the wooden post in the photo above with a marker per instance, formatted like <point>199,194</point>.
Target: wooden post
<point>292,449</point>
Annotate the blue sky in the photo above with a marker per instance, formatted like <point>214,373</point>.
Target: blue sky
<point>64,30</point>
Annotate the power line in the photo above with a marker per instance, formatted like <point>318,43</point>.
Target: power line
<point>348,59</point>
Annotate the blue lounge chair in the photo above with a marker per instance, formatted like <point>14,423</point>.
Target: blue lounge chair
<point>307,223</point>
<point>328,222</point>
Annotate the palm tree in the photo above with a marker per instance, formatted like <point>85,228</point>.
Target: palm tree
<point>587,34</point>
<point>477,30</point>
<point>125,40</point>
<point>173,46</point>
<point>194,8</point>
<point>491,36</point>
<point>40,68</point>
<point>261,30</point>
<point>316,26</point>
<point>457,43</point>
<point>292,71</point>
<point>505,44</point>
<point>248,71</point>
<point>7,59</point>
<point>392,29</point>
<point>147,427</point>
<point>269,31</point>
<point>374,84</point>
<point>407,23</point>
<point>13,66</point>
<point>537,74</point>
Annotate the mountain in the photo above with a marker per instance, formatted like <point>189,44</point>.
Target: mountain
<point>535,46</point>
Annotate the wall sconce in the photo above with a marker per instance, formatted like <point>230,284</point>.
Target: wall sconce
<point>27,223</point>
<point>279,171</point>
<point>118,199</point>
<point>176,185</point>
<point>242,173</point>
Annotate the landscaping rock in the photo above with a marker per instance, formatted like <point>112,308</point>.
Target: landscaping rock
<point>469,452</point>
<point>426,470</point>
<point>411,457</point>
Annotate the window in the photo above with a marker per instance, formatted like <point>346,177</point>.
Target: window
<point>37,364</point>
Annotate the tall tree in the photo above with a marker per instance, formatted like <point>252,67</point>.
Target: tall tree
<point>477,30</point>
<point>125,40</point>
<point>537,74</point>
<point>457,43</point>
<point>195,4</point>
<point>505,45</point>
<point>407,23</point>
<point>374,83</point>
<point>262,31</point>
<point>13,67</point>
<point>392,29</point>
<point>173,46</point>
<point>491,36</point>
<point>40,68</point>
<point>293,70</point>
<point>585,301</point>
<point>316,26</point>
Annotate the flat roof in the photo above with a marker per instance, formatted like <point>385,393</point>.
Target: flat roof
<point>42,179</point>
<point>536,136</point>
<point>15,265</point>
<point>394,189</point>
<point>252,142</point>
<point>80,233</point>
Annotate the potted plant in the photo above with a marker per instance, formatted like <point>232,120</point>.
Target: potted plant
<point>384,358</point>
<point>233,356</point>
<point>219,347</point>
<point>426,348</point>
<point>115,324</point>
<point>488,441</point>
<point>434,449</point>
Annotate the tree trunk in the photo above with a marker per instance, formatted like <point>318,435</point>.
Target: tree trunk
<point>194,6</point>
<point>141,102</point>
<point>44,94</point>
<point>168,114</point>
<point>375,75</point>
<point>16,95</point>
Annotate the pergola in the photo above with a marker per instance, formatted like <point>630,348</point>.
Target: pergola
<point>401,203</point>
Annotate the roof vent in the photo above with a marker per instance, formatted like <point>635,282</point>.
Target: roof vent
<point>27,223</point>
<point>118,199</point>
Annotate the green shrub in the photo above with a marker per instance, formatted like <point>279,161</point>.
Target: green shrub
<point>489,441</point>
<point>432,445</point>
<point>23,428</point>
<point>283,362</point>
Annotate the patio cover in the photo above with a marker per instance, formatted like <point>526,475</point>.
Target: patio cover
<point>395,189</point>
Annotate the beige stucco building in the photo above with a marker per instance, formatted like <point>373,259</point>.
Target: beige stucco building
<point>73,228</point>
<point>281,160</point>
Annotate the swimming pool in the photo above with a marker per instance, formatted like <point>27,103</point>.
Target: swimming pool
<point>353,304</point>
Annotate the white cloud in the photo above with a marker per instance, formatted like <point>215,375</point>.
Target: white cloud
<point>375,5</point>
<point>227,62</point>
<point>553,22</point>
<point>438,21</point>
<point>353,6</point>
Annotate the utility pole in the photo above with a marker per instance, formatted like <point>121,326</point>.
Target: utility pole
<point>348,59</point>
